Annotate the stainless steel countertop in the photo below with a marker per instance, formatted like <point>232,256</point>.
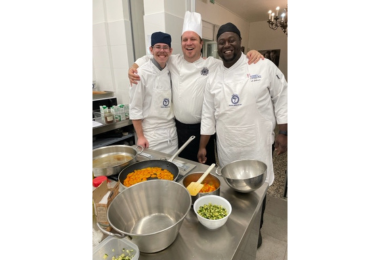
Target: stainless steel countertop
<point>195,241</point>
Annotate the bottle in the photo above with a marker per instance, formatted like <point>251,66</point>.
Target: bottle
<point>108,117</point>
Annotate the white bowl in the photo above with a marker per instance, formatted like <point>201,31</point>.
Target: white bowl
<point>215,200</point>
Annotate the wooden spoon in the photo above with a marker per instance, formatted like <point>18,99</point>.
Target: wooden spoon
<point>195,187</point>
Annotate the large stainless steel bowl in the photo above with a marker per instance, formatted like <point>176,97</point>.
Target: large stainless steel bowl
<point>244,175</point>
<point>150,213</point>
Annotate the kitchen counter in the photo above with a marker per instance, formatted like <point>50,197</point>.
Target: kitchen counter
<point>195,241</point>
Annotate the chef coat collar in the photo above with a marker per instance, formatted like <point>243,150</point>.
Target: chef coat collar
<point>242,59</point>
<point>156,63</point>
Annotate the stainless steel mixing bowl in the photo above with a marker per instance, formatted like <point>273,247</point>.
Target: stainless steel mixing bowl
<point>150,213</point>
<point>244,175</point>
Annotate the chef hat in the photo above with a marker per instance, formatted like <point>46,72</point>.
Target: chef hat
<point>160,37</point>
<point>228,27</point>
<point>192,22</point>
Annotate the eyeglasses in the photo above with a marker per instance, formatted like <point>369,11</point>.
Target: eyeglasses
<point>159,47</point>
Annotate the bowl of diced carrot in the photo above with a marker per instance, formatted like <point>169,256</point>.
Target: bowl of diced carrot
<point>211,184</point>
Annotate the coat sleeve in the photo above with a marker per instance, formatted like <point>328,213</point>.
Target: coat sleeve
<point>136,100</point>
<point>279,94</point>
<point>143,59</point>
<point>208,112</point>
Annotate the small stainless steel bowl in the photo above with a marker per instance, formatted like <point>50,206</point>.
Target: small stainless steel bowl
<point>210,178</point>
<point>245,175</point>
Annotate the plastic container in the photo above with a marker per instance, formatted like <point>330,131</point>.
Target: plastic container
<point>98,180</point>
<point>113,246</point>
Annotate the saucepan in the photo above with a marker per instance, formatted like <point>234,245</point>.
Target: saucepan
<point>210,179</point>
<point>163,164</point>
<point>150,213</point>
<point>110,160</point>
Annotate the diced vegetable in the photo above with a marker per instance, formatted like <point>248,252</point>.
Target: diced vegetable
<point>211,211</point>
<point>123,256</point>
<point>143,174</point>
<point>208,187</point>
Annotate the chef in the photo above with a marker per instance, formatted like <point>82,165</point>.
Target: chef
<point>151,109</point>
<point>242,104</point>
<point>189,75</point>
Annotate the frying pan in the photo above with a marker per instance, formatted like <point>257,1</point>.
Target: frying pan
<point>112,159</point>
<point>164,164</point>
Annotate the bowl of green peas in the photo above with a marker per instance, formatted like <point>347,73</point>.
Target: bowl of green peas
<point>212,211</point>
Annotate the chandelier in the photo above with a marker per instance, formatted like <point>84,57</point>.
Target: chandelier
<point>275,21</point>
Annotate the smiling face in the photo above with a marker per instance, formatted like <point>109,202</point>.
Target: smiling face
<point>191,46</point>
<point>229,48</point>
<point>161,53</point>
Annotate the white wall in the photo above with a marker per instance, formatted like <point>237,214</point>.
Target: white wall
<point>218,15</point>
<point>263,38</point>
<point>112,47</point>
<point>166,16</point>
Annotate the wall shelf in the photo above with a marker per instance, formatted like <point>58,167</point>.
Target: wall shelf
<point>109,140</point>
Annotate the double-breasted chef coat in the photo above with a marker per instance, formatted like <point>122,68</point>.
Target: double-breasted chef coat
<point>151,101</point>
<point>242,104</point>
<point>189,81</point>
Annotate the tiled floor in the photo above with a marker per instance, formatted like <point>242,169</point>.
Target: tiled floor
<point>274,230</point>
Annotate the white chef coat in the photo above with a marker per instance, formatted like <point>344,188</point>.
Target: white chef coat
<point>151,101</point>
<point>189,81</point>
<point>242,104</point>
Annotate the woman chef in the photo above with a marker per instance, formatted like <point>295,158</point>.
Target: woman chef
<point>150,104</point>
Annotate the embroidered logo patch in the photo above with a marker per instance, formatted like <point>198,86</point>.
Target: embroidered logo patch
<point>255,77</point>
<point>204,71</point>
<point>165,102</point>
<point>235,99</point>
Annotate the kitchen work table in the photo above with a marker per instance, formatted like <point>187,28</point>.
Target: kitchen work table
<point>238,236</point>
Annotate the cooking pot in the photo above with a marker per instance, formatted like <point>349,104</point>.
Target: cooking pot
<point>245,175</point>
<point>110,160</point>
<point>150,213</point>
<point>194,177</point>
<point>163,164</point>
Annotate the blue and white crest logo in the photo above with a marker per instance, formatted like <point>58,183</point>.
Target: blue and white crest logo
<point>204,71</point>
<point>165,102</point>
<point>235,99</point>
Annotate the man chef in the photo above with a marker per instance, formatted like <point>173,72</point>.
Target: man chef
<point>150,107</point>
<point>189,74</point>
<point>242,104</point>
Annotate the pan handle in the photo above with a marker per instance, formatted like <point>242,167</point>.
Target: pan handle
<point>182,147</point>
<point>217,172</point>
<point>142,149</point>
<point>109,233</point>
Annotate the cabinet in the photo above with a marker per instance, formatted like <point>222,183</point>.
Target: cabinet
<point>113,134</point>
